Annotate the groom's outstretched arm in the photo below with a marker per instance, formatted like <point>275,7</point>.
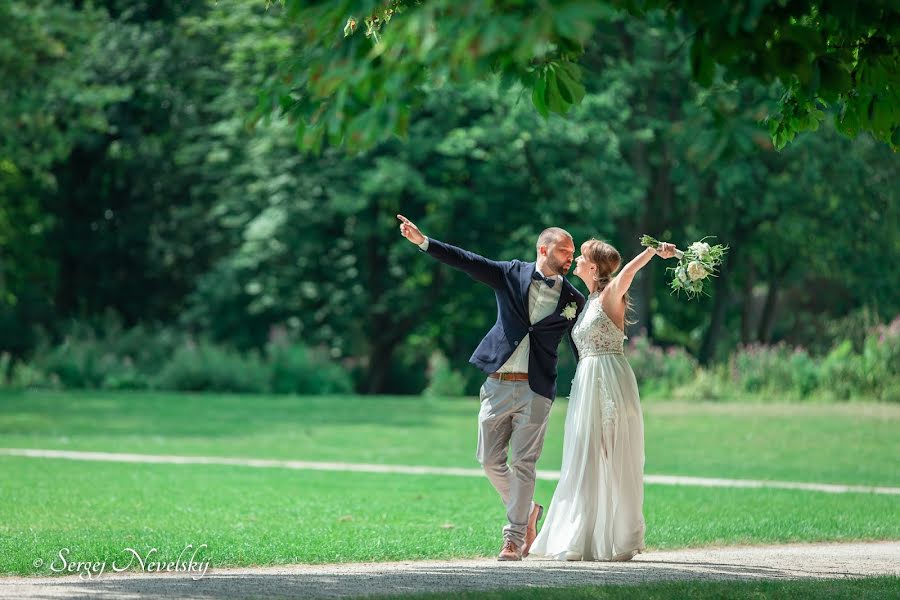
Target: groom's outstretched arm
<point>485,270</point>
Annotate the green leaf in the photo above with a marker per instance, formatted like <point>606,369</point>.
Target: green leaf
<point>537,96</point>
<point>555,102</point>
<point>575,90</point>
<point>572,70</point>
<point>881,119</point>
<point>564,92</point>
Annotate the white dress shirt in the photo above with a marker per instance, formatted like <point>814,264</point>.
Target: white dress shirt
<point>542,301</point>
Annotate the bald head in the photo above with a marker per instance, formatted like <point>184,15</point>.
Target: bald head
<point>551,236</point>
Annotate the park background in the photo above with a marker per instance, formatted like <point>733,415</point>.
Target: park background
<point>180,274</point>
<point>153,235</point>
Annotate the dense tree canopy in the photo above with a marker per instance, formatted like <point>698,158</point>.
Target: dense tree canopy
<point>131,183</point>
<point>366,64</point>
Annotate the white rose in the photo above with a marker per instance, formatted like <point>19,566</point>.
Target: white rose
<point>569,311</point>
<point>700,249</point>
<point>696,271</point>
<point>681,275</point>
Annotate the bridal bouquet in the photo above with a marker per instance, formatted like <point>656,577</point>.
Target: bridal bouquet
<point>695,265</point>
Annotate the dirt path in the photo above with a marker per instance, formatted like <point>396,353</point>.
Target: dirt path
<point>797,561</point>
<point>649,479</point>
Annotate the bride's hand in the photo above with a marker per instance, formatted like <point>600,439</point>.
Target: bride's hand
<point>666,250</point>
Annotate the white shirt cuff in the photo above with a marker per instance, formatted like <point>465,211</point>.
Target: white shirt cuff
<point>424,245</point>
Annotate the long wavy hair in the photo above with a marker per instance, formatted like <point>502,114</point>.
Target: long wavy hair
<point>607,260</point>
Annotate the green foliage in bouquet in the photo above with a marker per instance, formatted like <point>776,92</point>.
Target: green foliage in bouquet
<point>695,265</point>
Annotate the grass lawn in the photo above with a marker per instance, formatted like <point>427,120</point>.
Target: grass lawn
<point>853,444</point>
<point>271,516</point>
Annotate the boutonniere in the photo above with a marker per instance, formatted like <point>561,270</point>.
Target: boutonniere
<point>569,311</point>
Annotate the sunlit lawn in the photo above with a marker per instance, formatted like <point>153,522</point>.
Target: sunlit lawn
<point>851,443</point>
<point>269,516</point>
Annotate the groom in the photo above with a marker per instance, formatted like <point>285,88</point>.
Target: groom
<point>536,307</point>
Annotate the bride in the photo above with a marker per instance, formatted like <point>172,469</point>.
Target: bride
<point>597,510</point>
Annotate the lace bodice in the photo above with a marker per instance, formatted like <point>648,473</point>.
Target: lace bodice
<point>594,332</point>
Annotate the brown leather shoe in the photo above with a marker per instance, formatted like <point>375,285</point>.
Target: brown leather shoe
<point>536,513</point>
<point>510,551</point>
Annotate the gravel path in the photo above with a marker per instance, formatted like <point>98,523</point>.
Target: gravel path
<point>797,561</point>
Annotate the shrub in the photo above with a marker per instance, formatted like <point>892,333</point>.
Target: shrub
<point>146,348</point>
<point>101,354</point>
<point>126,377</point>
<point>870,374</point>
<point>25,375</point>
<point>202,367</point>
<point>707,385</point>
<point>295,369</point>
<point>442,380</point>
<point>79,362</point>
<point>780,371</point>
<point>105,355</point>
<point>658,370</point>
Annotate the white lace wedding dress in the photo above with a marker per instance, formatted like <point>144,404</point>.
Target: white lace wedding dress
<point>597,509</point>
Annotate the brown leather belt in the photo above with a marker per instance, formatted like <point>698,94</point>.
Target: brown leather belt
<point>510,376</point>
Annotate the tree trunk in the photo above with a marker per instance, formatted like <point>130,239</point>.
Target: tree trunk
<point>70,235</point>
<point>770,308</point>
<point>641,287</point>
<point>722,298</point>
<point>386,333</point>
<point>380,355</point>
<point>656,212</point>
<point>748,303</point>
<point>380,325</point>
<point>766,320</point>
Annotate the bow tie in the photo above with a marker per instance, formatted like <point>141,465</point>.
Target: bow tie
<point>550,281</point>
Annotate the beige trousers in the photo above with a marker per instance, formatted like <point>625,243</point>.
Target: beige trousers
<point>511,428</point>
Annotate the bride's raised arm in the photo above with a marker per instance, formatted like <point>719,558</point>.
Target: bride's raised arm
<point>621,282</point>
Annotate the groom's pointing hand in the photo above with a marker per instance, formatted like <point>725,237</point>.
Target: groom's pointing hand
<point>409,230</point>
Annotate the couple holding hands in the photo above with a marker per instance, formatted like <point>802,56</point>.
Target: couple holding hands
<point>596,512</point>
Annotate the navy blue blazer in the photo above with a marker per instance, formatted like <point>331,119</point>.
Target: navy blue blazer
<point>510,281</point>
